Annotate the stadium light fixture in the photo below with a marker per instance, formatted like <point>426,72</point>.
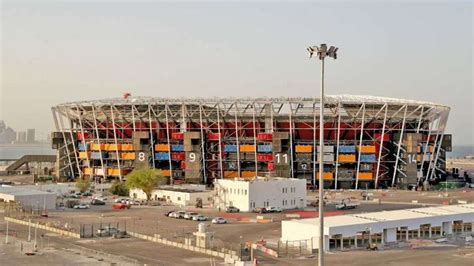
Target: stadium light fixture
<point>322,52</point>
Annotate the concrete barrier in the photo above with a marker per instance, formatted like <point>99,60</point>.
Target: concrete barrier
<point>44,227</point>
<point>232,256</point>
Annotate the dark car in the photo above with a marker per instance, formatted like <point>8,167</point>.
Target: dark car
<point>97,202</point>
<point>232,209</point>
<point>260,210</point>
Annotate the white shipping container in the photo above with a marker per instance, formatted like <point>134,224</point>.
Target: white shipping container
<point>326,157</point>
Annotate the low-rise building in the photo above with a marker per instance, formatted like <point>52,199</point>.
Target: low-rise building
<point>359,230</point>
<point>183,195</point>
<point>262,192</point>
<point>28,198</point>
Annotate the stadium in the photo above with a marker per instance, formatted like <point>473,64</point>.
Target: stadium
<point>370,142</point>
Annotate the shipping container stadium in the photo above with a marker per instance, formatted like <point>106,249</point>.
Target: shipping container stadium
<point>369,141</point>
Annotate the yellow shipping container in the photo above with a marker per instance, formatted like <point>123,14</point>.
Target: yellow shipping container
<point>84,155</point>
<point>367,149</point>
<point>113,172</point>
<point>97,147</point>
<point>431,148</point>
<point>162,147</point>
<point>303,148</point>
<point>87,171</point>
<point>247,148</point>
<point>365,176</point>
<point>327,176</point>
<point>248,174</point>
<point>230,174</point>
<point>127,147</point>
<point>347,158</point>
<point>418,149</point>
<point>128,156</point>
<point>112,147</point>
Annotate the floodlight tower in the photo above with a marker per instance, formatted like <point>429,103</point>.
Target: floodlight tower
<point>321,51</point>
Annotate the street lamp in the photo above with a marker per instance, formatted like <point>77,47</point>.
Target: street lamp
<point>322,51</point>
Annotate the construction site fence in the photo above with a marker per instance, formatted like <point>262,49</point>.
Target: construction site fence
<point>102,229</point>
<point>295,248</point>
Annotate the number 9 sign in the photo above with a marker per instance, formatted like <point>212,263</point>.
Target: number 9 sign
<point>192,157</point>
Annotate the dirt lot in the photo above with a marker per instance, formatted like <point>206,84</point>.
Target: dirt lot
<point>151,220</point>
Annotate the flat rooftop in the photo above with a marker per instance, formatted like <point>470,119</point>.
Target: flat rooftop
<point>19,191</point>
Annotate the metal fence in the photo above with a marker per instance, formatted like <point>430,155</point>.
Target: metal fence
<point>106,229</point>
<point>295,248</point>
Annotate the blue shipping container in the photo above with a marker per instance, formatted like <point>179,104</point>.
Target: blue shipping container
<point>82,147</point>
<point>264,148</point>
<point>347,149</point>
<point>367,158</point>
<point>177,147</point>
<point>230,148</point>
<point>96,155</point>
<point>162,156</point>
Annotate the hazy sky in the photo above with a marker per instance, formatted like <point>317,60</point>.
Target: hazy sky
<point>59,52</point>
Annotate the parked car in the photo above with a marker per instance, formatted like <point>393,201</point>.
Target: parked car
<point>260,210</point>
<point>120,200</point>
<point>86,194</point>
<point>81,206</point>
<point>179,214</point>
<point>97,202</point>
<point>219,220</point>
<point>167,214</point>
<point>120,206</point>
<point>199,218</point>
<point>274,209</point>
<point>189,215</point>
<point>232,209</point>
<point>104,231</point>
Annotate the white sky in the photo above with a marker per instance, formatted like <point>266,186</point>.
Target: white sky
<point>59,52</point>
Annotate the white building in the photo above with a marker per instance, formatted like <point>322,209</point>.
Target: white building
<point>357,230</point>
<point>286,193</point>
<point>28,197</point>
<point>183,195</point>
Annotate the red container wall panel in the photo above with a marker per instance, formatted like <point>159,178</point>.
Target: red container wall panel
<point>265,136</point>
<point>177,136</point>
<point>378,137</point>
<point>213,136</point>
<point>264,157</point>
<point>178,156</point>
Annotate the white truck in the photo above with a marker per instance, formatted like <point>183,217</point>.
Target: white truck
<point>347,204</point>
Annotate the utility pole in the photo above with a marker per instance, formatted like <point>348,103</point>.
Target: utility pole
<point>6,235</point>
<point>29,230</point>
<point>36,231</point>
<point>321,52</point>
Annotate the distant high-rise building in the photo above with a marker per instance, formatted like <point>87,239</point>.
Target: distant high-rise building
<point>21,137</point>
<point>7,134</point>
<point>30,135</point>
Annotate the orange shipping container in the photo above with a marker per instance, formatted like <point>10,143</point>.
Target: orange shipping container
<point>248,174</point>
<point>112,147</point>
<point>303,148</point>
<point>165,172</point>
<point>128,156</point>
<point>162,147</point>
<point>127,147</point>
<point>367,149</point>
<point>347,158</point>
<point>418,158</point>
<point>327,175</point>
<point>87,171</point>
<point>230,174</point>
<point>431,149</point>
<point>84,155</point>
<point>247,148</point>
<point>365,176</point>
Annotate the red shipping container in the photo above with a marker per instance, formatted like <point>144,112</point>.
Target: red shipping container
<point>270,166</point>
<point>177,136</point>
<point>265,136</point>
<point>178,156</point>
<point>378,137</point>
<point>81,137</point>
<point>213,136</point>
<point>264,157</point>
<point>183,164</point>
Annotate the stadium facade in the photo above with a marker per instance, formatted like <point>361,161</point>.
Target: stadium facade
<point>369,141</point>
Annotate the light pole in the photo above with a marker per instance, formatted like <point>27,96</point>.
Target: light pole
<point>321,51</point>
